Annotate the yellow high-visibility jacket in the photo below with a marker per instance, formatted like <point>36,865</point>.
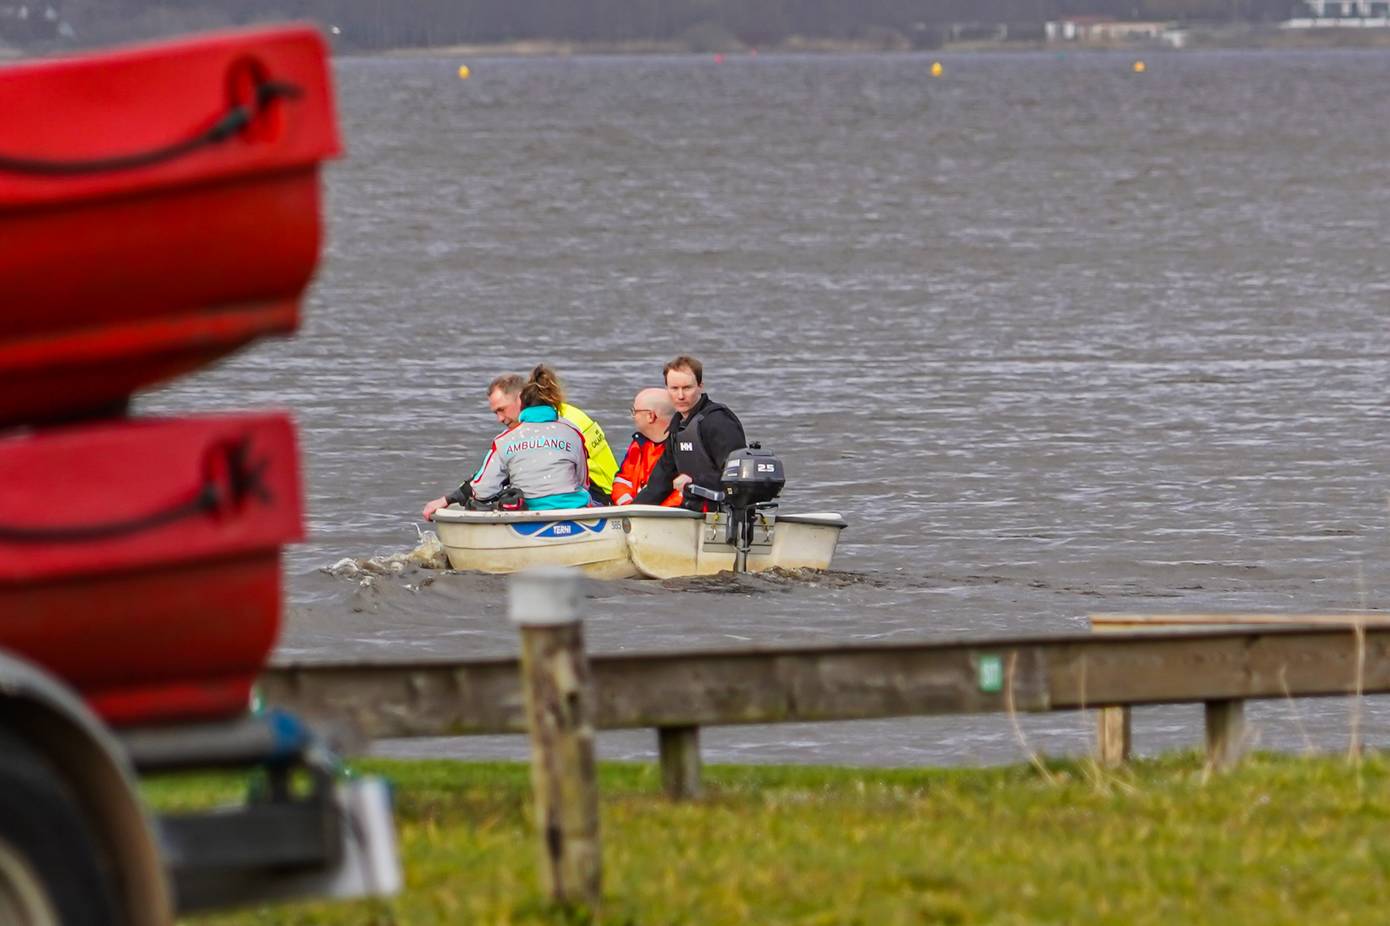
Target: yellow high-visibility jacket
<point>602,465</point>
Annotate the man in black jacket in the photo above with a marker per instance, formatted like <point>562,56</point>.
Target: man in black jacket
<point>702,436</point>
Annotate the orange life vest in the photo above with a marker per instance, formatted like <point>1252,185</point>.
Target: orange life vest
<point>638,463</point>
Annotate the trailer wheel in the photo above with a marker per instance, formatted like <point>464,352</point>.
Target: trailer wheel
<point>51,870</point>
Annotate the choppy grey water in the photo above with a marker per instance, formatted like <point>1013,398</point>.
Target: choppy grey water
<point>1055,337</point>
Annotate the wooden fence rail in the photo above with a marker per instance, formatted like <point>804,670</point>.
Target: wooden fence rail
<point>1225,720</point>
<point>677,693</point>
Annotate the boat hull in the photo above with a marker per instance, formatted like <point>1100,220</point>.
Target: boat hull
<point>499,541</point>
<point>140,560</point>
<point>117,274</point>
<point>630,541</point>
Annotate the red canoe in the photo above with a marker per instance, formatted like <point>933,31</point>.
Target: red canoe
<point>159,208</point>
<point>140,560</point>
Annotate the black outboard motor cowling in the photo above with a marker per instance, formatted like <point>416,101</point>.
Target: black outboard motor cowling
<point>751,476</point>
<point>751,479</point>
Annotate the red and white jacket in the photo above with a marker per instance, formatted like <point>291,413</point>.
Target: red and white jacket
<point>638,462</point>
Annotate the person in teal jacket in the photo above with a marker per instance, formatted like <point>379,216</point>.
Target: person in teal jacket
<point>543,458</point>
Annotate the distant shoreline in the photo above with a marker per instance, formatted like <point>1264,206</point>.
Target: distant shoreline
<point>1200,39</point>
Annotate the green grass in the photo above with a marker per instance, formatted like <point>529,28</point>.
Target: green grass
<point>1280,840</point>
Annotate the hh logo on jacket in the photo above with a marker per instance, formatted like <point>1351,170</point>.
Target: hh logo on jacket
<point>687,445</point>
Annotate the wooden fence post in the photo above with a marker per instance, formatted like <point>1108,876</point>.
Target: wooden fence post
<point>1114,728</point>
<point>1225,732</point>
<point>559,709</point>
<point>1113,735</point>
<point>680,761</point>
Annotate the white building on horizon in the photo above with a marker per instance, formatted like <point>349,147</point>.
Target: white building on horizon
<point>1342,14</point>
<point>1348,9</point>
<point>1107,29</point>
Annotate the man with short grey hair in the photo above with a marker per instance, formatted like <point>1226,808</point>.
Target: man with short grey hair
<point>504,398</point>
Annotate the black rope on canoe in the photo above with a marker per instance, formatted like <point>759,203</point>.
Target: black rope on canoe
<point>229,478</point>
<point>228,124</point>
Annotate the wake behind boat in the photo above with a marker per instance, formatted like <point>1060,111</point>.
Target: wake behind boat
<point>631,541</point>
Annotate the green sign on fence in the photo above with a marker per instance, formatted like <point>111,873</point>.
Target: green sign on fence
<point>989,672</point>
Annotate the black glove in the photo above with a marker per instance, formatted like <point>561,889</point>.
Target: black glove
<point>460,496</point>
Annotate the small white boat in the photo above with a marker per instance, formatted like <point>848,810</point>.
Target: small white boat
<point>632,540</point>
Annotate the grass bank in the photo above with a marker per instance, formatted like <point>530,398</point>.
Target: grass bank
<point>1281,840</point>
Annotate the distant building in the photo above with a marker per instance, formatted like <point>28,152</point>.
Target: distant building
<point>28,21</point>
<point>1106,30</point>
<point>1342,14</point>
<point>1348,9</point>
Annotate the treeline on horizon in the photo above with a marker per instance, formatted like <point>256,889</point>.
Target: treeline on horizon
<point>698,24</point>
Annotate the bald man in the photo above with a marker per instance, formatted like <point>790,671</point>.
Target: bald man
<point>651,414</point>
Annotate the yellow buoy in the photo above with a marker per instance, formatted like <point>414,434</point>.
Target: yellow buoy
<point>936,69</point>
<point>464,72</point>
<point>1140,67</point>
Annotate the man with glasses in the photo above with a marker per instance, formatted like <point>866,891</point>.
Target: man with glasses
<point>651,414</point>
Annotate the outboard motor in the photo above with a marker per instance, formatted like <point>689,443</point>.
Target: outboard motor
<point>752,476</point>
<point>751,479</point>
